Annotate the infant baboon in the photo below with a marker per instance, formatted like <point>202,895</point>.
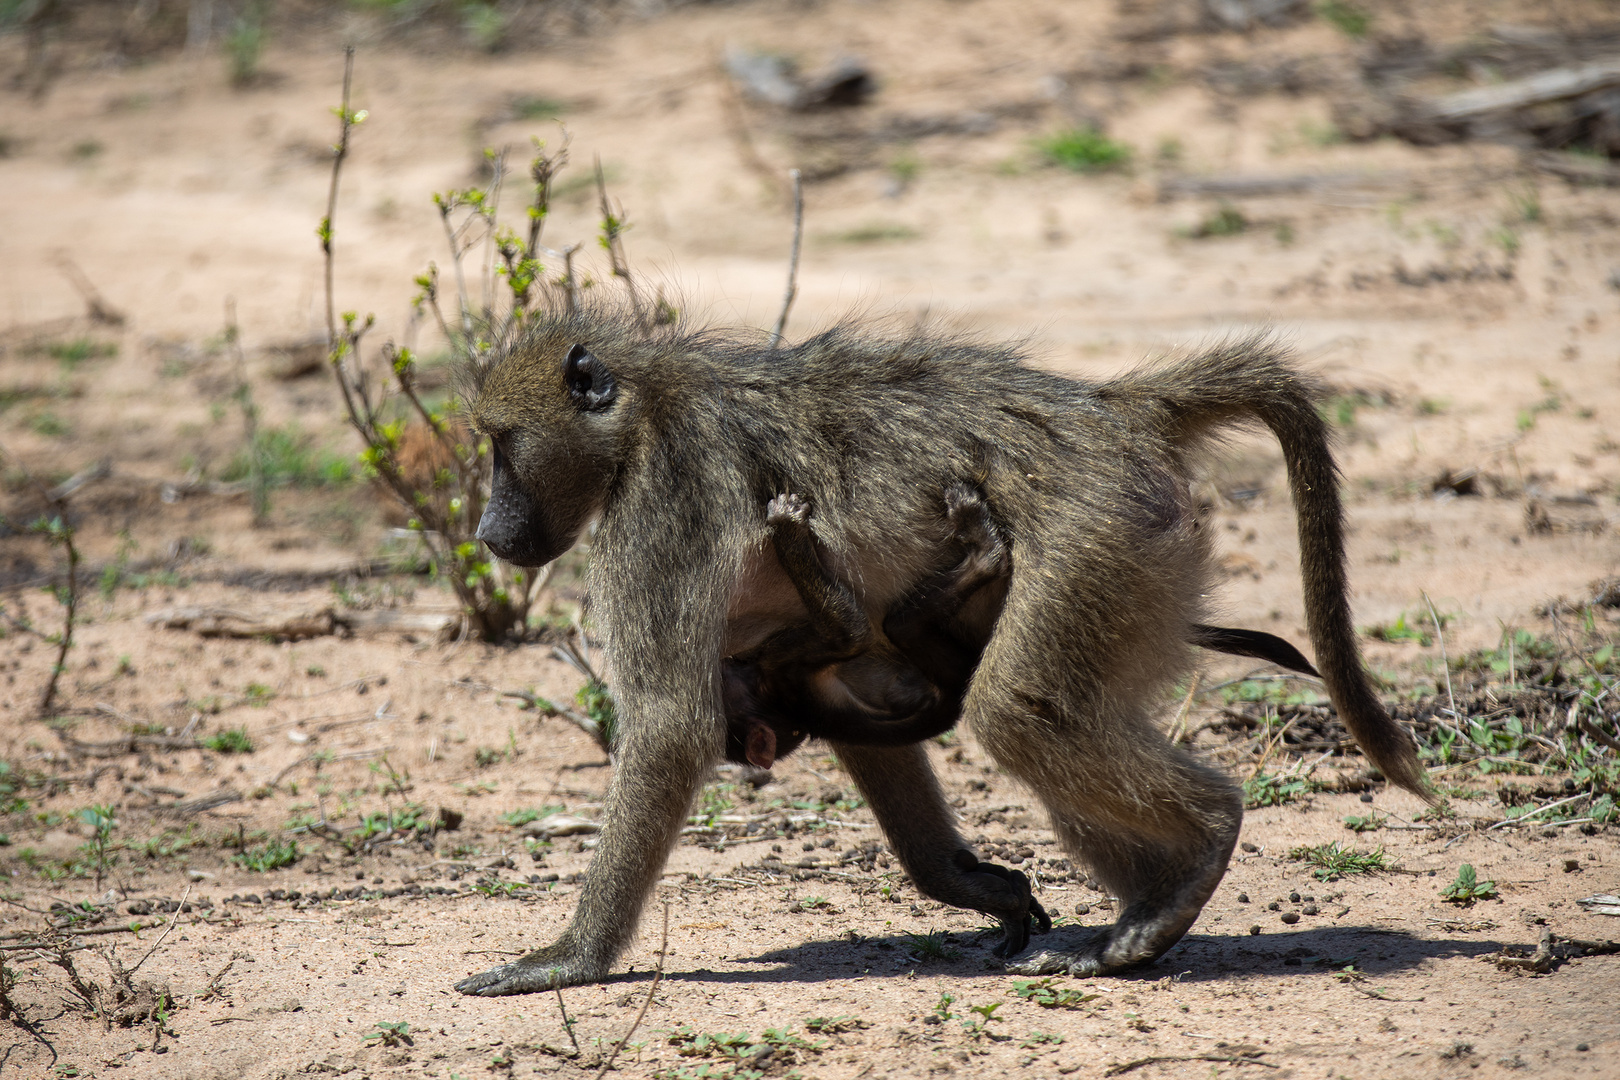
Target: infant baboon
<point>673,443</point>
<point>833,677</point>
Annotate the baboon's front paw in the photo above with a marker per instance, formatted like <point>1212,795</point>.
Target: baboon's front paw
<point>543,969</point>
<point>787,509</point>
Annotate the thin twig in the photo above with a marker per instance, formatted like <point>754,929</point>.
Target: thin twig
<point>1230,1059</point>
<point>651,990</point>
<point>613,227</point>
<point>568,1025</point>
<point>181,906</point>
<point>1445,662</point>
<point>339,152</point>
<point>1595,732</point>
<point>793,259</point>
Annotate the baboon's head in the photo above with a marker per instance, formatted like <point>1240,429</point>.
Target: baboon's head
<point>554,414</point>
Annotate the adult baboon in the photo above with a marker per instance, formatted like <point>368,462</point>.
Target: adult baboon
<point>674,444</point>
<point>834,677</point>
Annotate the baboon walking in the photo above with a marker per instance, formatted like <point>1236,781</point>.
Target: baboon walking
<point>675,444</point>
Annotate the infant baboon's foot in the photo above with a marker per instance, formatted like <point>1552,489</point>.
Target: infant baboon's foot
<point>787,509</point>
<point>1005,894</point>
<point>544,969</point>
<point>976,530</point>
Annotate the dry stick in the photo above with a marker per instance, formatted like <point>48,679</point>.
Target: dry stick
<point>1444,661</point>
<point>612,232</point>
<point>793,259</point>
<point>651,990</point>
<point>178,909</point>
<point>1121,1070</point>
<point>1595,732</point>
<point>568,1025</point>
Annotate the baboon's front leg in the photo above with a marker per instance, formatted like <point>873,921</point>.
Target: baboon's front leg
<point>656,775</point>
<point>903,792</point>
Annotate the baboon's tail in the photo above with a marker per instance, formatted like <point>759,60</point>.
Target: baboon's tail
<point>1254,379</point>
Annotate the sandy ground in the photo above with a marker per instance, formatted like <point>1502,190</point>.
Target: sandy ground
<point>1463,309</point>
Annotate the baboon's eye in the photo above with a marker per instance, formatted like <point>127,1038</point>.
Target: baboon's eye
<point>590,383</point>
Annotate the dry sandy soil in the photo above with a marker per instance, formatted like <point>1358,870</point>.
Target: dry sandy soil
<point>1464,308</point>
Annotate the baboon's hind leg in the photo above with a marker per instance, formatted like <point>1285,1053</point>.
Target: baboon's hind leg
<point>1162,884</point>
<point>1156,826</point>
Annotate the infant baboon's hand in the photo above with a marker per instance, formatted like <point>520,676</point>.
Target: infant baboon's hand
<point>787,509</point>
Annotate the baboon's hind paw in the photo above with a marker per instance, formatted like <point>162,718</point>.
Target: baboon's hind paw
<point>1055,962</point>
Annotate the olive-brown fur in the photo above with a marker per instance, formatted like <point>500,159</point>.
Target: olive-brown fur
<point>1089,482</point>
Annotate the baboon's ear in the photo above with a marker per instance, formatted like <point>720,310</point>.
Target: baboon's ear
<point>590,383</point>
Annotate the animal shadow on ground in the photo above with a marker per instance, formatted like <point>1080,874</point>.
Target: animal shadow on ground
<point>1210,957</point>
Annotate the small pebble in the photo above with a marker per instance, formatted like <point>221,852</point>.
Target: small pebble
<point>1254,930</point>
<point>1310,909</point>
<point>1582,1047</point>
<point>1293,898</point>
<point>1243,898</point>
<point>1248,847</point>
<point>1571,865</point>
<point>1274,906</point>
<point>1082,909</point>
<point>1290,917</point>
<point>1366,796</point>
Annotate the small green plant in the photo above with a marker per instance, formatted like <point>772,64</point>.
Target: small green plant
<point>257,695</point>
<point>596,700</point>
<point>1225,220</point>
<point>1369,823</point>
<point>519,818</point>
<point>1084,150</point>
<point>271,855</point>
<point>229,741</point>
<point>1330,861</point>
<point>1526,203</point>
<point>1350,19</point>
<point>834,1025</point>
<point>397,1033</point>
<point>75,352</point>
<point>485,25</point>
<point>101,821</point>
<point>1041,1038</point>
<point>1275,789</point>
<point>935,945</point>
<point>1466,888</point>
<point>244,43</point>
<point>48,424</point>
<point>877,232</point>
<point>978,1029</point>
<point>942,1008</point>
<point>287,458</point>
<point>536,107</point>
<point>1400,630</point>
<point>1048,996</point>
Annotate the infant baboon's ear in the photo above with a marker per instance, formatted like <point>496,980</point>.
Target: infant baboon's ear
<point>590,383</point>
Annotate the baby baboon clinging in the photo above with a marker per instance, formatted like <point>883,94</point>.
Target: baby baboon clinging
<point>833,677</point>
<point>672,444</point>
